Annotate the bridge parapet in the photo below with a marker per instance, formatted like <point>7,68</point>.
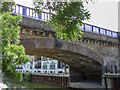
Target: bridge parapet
<point>38,28</point>
<point>87,37</point>
<point>31,13</point>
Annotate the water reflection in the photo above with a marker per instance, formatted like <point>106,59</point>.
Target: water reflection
<point>16,84</point>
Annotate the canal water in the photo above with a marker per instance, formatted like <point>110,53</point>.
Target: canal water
<point>17,84</point>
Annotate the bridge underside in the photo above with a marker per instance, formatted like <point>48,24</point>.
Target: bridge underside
<point>86,67</point>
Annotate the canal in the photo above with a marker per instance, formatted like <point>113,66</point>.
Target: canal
<point>17,84</point>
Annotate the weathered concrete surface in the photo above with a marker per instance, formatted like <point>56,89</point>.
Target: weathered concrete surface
<point>75,55</point>
<point>31,23</point>
<point>58,47</point>
<point>86,55</point>
<point>38,25</point>
<point>99,37</point>
<point>107,55</point>
<point>106,47</point>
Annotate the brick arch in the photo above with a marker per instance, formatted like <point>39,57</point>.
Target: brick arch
<point>53,46</point>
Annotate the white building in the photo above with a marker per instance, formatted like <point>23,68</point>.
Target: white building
<point>43,65</point>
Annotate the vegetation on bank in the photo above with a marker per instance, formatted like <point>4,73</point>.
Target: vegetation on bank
<point>27,76</point>
<point>12,54</point>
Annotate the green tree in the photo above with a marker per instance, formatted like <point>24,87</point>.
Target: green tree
<point>12,53</point>
<point>28,76</point>
<point>66,17</point>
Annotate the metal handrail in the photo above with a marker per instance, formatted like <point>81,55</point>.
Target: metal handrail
<point>30,12</point>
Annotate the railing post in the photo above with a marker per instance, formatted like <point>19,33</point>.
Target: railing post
<point>24,12</point>
<point>92,28</point>
<point>29,11</point>
<point>99,30</point>
<point>35,14</point>
<point>84,27</point>
<point>44,15</point>
<point>32,12</point>
<point>111,34</point>
<point>105,32</point>
<point>18,9</point>
<point>47,16</point>
<point>15,9</point>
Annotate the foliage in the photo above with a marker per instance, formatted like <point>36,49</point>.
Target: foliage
<point>6,6</point>
<point>27,76</point>
<point>66,17</point>
<point>18,76</point>
<point>12,53</point>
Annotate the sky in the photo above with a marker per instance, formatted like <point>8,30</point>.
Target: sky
<point>24,2</point>
<point>104,13</point>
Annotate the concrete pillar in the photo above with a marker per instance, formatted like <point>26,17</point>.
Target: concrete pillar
<point>119,36</point>
<point>119,52</point>
<point>119,16</point>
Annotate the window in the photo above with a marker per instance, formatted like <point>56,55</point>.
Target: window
<point>30,67</point>
<point>38,58</point>
<point>39,65</point>
<point>60,72</point>
<point>58,64</point>
<point>31,58</point>
<point>52,65</point>
<point>39,71</point>
<point>44,58</point>
<point>44,65</point>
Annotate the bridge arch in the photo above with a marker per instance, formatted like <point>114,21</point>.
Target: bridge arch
<point>56,48</point>
<point>83,61</point>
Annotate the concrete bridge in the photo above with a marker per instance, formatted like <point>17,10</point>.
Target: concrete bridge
<point>91,56</point>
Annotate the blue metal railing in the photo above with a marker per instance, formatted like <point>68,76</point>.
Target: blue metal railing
<point>30,12</point>
<point>99,30</point>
